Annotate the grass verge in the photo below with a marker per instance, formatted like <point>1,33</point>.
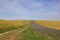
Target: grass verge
<point>32,34</point>
<point>2,30</point>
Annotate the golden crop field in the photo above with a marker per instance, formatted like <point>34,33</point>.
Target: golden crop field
<point>10,23</point>
<point>49,24</point>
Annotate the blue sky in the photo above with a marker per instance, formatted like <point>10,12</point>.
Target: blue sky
<point>30,9</point>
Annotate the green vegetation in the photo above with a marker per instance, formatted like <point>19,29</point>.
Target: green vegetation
<point>29,34</point>
<point>2,30</point>
<point>10,35</point>
<point>32,34</point>
<point>9,25</point>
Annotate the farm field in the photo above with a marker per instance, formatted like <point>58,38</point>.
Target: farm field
<point>33,34</point>
<point>28,30</point>
<point>50,24</point>
<point>29,34</point>
<point>13,34</point>
<point>8,25</point>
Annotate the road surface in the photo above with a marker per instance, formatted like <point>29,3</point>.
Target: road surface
<point>44,29</point>
<point>53,32</point>
<point>13,34</point>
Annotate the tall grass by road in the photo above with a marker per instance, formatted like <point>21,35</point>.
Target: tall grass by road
<point>33,34</point>
<point>8,25</point>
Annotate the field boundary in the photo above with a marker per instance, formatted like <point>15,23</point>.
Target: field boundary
<point>13,38</point>
<point>9,31</point>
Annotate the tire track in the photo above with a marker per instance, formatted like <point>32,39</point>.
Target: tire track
<point>20,31</point>
<point>45,29</point>
<point>12,35</point>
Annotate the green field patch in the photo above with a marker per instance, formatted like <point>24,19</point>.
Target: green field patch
<point>2,30</point>
<point>31,34</point>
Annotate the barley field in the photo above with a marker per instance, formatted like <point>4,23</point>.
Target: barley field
<point>29,30</point>
<point>50,24</point>
<point>8,25</point>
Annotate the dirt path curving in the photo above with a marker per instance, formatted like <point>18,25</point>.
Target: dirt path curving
<point>45,29</point>
<point>12,35</point>
<point>20,31</point>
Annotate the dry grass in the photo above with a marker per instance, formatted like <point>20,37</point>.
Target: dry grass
<point>10,23</point>
<point>50,24</point>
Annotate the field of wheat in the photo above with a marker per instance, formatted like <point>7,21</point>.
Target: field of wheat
<point>49,24</point>
<point>10,23</point>
<point>26,30</point>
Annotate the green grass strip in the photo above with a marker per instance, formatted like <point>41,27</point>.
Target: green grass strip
<point>2,30</point>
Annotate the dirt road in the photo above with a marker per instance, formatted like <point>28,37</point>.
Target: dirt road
<point>20,31</point>
<point>45,29</point>
<point>12,35</point>
<point>49,31</point>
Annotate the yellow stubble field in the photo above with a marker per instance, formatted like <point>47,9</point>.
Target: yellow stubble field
<point>49,23</point>
<point>10,23</point>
